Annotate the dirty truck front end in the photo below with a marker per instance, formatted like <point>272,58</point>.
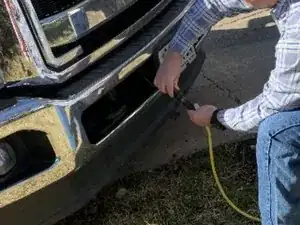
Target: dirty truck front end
<point>75,97</point>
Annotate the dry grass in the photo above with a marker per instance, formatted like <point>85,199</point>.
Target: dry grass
<point>182,193</point>
<point>12,63</point>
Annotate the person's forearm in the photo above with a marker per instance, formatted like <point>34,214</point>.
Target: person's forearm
<point>202,15</point>
<point>247,117</point>
<point>280,93</point>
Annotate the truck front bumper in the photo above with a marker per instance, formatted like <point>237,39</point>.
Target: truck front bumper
<point>96,165</point>
<point>85,162</point>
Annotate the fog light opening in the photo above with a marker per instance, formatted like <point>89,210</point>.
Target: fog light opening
<point>24,154</point>
<point>7,158</point>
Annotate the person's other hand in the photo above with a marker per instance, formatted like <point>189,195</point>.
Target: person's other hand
<point>167,76</point>
<point>202,115</point>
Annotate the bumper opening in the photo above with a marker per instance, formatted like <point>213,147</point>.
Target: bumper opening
<point>34,154</point>
<point>108,112</point>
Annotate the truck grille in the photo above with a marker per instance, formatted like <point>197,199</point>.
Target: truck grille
<point>46,8</point>
<point>109,30</point>
<point>73,34</point>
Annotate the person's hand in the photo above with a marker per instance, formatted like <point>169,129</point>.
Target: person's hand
<point>202,115</point>
<point>167,76</point>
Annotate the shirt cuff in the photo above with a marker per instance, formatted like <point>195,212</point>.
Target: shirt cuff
<point>221,116</point>
<point>229,119</point>
<point>179,44</point>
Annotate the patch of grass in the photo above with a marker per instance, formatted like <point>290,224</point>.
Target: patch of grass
<point>12,62</point>
<point>182,193</point>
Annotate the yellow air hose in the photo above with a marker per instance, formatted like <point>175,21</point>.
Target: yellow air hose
<point>188,105</point>
<point>217,180</point>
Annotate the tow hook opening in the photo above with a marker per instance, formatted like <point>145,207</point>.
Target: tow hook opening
<point>106,114</point>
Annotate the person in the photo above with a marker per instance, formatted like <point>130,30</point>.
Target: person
<point>274,114</point>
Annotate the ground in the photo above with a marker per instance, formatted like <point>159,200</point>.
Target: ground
<point>181,190</point>
<point>180,193</point>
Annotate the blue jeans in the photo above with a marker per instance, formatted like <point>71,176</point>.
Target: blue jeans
<point>278,164</point>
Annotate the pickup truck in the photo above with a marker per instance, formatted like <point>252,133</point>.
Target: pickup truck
<point>76,97</point>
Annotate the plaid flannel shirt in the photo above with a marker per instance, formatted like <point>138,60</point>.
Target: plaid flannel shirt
<point>282,91</point>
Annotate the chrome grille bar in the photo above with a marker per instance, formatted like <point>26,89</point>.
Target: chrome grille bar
<point>73,23</point>
<point>46,8</point>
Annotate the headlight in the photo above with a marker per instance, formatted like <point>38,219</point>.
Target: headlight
<point>7,158</point>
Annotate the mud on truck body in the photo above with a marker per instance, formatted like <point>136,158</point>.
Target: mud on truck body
<point>75,97</point>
